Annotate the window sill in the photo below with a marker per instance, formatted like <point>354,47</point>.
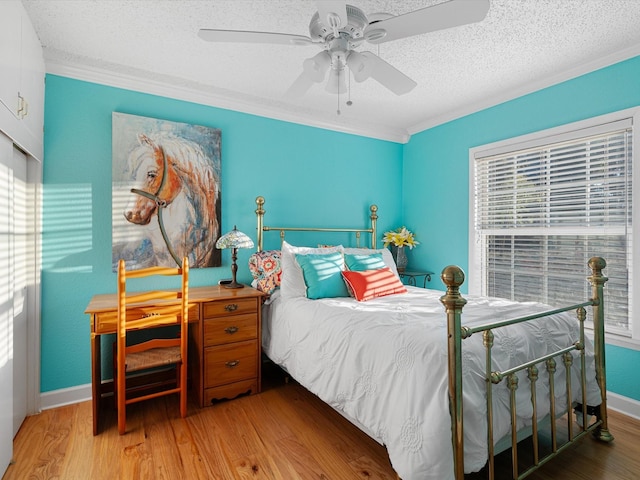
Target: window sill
<point>622,341</point>
<point>616,339</point>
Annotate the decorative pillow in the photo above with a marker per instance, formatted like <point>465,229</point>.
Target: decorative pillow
<point>385,252</point>
<point>266,268</point>
<point>359,263</point>
<point>292,281</point>
<point>373,283</point>
<point>323,275</point>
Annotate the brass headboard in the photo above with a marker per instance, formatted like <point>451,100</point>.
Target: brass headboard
<point>261,228</point>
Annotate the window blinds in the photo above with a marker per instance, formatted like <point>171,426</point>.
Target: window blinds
<point>542,210</point>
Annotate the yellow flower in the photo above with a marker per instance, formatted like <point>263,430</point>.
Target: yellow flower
<point>400,237</point>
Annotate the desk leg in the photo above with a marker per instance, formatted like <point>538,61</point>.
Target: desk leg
<point>96,379</point>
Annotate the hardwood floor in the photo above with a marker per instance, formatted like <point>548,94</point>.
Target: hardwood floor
<point>283,433</point>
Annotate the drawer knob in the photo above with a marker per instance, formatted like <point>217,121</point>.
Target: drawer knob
<point>231,307</point>
<point>232,363</point>
<point>231,330</point>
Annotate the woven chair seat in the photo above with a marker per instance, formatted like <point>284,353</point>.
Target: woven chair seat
<point>156,357</point>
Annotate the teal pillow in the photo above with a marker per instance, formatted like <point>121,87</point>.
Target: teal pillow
<point>323,275</point>
<point>360,263</point>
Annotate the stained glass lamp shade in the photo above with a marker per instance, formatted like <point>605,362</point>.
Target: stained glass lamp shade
<point>234,240</point>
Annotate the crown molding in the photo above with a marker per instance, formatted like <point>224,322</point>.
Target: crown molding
<point>193,94</point>
<point>507,95</point>
<point>143,84</point>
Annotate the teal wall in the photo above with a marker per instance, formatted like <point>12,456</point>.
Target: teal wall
<point>436,181</point>
<point>622,371</point>
<point>307,175</point>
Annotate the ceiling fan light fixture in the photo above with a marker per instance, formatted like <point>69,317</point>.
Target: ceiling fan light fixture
<point>316,67</point>
<point>359,66</point>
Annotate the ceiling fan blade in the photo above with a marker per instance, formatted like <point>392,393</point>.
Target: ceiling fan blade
<point>239,36</point>
<point>300,86</point>
<point>386,74</point>
<point>333,13</point>
<point>437,17</point>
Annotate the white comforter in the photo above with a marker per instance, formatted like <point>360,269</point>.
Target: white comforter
<point>383,364</point>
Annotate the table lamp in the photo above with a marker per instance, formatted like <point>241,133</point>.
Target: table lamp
<point>234,240</point>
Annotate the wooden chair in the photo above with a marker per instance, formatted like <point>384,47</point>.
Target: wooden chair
<point>148,310</point>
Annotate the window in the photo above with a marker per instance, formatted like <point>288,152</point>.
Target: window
<point>543,204</point>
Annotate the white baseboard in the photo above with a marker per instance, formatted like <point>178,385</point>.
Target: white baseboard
<point>65,396</point>
<point>625,405</point>
<point>82,393</point>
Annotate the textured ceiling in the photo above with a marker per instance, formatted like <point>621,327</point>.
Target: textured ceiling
<point>152,45</point>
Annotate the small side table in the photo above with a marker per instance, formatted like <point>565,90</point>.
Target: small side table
<point>412,275</point>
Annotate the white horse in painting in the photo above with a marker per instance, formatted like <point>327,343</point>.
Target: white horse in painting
<point>177,184</point>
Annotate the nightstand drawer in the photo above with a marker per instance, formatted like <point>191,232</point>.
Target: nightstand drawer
<point>234,328</point>
<point>231,363</point>
<point>230,307</point>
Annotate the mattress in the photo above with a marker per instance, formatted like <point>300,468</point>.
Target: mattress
<point>383,365</point>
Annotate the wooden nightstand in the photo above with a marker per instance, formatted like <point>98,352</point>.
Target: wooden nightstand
<point>225,349</point>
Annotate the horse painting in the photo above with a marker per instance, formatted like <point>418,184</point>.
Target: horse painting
<point>175,199</point>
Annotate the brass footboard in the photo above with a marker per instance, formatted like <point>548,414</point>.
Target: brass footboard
<point>453,301</point>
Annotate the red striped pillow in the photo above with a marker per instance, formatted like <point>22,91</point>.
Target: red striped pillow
<point>370,284</point>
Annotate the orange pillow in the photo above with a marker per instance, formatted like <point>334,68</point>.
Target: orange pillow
<point>370,284</point>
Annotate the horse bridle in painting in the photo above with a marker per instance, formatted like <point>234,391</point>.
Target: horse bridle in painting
<point>160,204</point>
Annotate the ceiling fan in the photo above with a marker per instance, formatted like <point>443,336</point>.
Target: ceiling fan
<point>340,29</point>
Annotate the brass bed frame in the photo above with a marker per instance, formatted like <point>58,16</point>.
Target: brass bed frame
<point>453,277</point>
<point>261,228</point>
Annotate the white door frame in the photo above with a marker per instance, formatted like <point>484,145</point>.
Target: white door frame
<point>34,180</point>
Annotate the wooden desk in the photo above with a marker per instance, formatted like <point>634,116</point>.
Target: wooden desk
<point>103,311</point>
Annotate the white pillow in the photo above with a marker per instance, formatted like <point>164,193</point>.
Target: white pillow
<point>386,256</point>
<point>292,280</point>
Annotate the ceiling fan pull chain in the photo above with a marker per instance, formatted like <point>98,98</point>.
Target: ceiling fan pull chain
<point>338,92</point>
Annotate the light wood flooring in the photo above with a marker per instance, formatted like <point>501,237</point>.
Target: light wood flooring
<point>283,433</point>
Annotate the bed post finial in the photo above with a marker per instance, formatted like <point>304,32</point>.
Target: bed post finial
<point>597,280</point>
<point>260,217</point>
<point>453,277</point>
<point>374,222</point>
<point>597,264</point>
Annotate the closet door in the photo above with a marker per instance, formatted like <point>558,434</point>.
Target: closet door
<point>6,304</point>
<point>15,211</point>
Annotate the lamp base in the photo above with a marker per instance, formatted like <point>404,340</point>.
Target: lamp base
<point>233,284</point>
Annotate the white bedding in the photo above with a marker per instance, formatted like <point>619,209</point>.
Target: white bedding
<point>383,364</point>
